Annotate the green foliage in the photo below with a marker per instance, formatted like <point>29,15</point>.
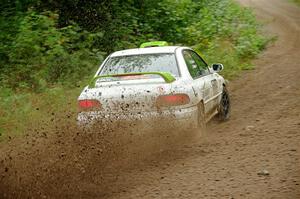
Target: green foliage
<point>297,2</point>
<point>41,54</point>
<point>42,48</point>
<point>225,33</point>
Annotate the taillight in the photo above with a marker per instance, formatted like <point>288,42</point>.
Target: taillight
<point>89,104</point>
<point>172,100</point>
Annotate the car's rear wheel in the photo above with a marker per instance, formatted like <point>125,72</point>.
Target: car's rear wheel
<point>225,106</point>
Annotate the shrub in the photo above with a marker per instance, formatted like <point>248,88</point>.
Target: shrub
<point>41,54</point>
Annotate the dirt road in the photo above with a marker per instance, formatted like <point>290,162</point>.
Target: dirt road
<point>263,133</point>
<point>256,154</point>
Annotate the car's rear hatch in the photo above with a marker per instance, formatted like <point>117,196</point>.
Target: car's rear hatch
<point>128,95</point>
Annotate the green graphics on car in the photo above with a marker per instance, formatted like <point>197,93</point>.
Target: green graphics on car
<point>165,75</point>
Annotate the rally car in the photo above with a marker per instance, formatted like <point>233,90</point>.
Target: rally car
<point>155,82</point>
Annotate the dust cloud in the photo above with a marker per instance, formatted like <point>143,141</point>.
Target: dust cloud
<point>59,159</point>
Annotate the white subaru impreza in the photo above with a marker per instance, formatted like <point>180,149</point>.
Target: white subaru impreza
<point>157,83</point>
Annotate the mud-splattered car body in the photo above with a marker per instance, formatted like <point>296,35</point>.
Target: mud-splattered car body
<point>168,83</point>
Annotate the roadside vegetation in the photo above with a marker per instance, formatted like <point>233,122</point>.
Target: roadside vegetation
<point>297,2</point>
<point>50,49</point>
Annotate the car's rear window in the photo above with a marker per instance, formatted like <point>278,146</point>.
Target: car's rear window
<point>165,62</point>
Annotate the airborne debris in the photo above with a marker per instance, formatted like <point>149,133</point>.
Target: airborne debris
<point>249,128</point>
<point>263,173</point>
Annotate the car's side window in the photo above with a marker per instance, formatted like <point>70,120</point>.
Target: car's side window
<point>201,64</point>
<point>191,64</point>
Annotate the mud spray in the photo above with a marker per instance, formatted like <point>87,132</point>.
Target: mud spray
<point>58,159</point>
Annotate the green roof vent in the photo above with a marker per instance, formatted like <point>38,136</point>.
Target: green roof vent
<point>154,44</point>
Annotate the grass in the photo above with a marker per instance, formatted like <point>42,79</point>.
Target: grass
<point>20,111</point>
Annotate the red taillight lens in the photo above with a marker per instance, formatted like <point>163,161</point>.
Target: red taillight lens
<point>173,100</point>
<point>89,104</point>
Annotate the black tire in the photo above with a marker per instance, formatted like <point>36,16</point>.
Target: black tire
<point>225,106</point>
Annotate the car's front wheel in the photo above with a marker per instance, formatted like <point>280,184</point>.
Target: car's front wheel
<point>225,106</point>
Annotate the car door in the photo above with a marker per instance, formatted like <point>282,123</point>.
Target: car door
<point>211,80</point>
<point>202,84</point>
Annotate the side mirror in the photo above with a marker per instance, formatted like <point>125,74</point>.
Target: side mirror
<point>217,67</point>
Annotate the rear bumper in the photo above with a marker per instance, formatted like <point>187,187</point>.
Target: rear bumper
<point>185,117</point>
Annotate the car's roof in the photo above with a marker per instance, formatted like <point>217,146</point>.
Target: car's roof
<point>149,50</point>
